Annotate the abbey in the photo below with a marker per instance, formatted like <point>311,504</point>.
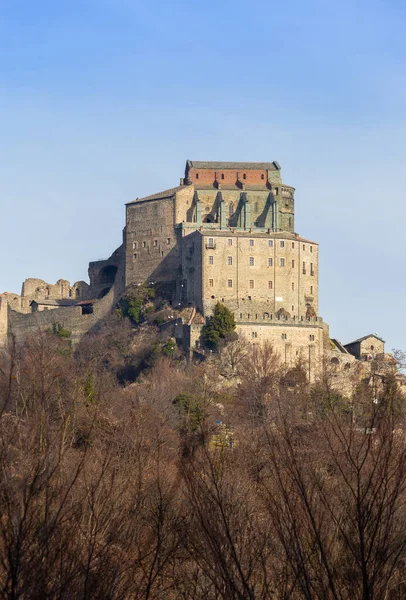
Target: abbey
<point>225,234</point>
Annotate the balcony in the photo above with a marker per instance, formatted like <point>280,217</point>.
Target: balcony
<point>210,245</point>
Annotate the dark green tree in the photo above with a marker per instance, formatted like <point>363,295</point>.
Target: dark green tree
<point>219,327</point>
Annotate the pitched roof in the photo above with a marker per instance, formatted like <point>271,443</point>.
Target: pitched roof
<point>365,337</point>
<point>165,194</point>
<point>201,164</point>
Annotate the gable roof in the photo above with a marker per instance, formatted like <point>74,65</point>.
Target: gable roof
<point>201,164</point>
<point>160,195</point>
<point>365,337</point>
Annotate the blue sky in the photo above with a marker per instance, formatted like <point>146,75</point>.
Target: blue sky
<point>102,101</point>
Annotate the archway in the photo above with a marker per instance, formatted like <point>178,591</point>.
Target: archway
<point>108,274</point>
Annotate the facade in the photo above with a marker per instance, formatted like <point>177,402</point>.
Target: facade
<point>368,347</point>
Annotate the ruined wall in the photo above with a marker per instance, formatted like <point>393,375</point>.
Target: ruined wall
<point>38,289</point>
<point>103,274</point>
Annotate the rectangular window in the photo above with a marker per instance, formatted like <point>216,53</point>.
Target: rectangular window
<point>284,336</point>
<point>155,243</point>
<point>281,262</point>
<point>282,243</point>
<point>293,308</point>
<point>230,260</point>
<point>293,264</point>
<point>293,286</point>
<point>304,247</point>
<point>134,245</point>
<point>293,244</point>
<point>276,191</point>
<point>311,248</point>
<point>168,241</point>
<point>254,334</point>
<point>251,261</point>
<point>270,285</point>
<point>144,244</point>
<point>304,268</point>
<point>311,337</point>
<point>270,262</point>
<point>251,284</point>
<point>211,260</point>
<point>251,242</point>
<point>311,290</point>
<point>311,269</point>
<point>210,282</point>
<point>240,315</point>
<point>230,283</point>
<point>135,255</point>
<point>230,242</point>
<point>270,243</point>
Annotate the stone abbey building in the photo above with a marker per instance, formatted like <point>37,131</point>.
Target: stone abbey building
<point>226,233</point>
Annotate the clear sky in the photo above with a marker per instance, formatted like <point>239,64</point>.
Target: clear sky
<point>102,101</point>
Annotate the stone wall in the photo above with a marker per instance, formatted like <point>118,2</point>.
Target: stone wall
<point>71,317</point>
<point>152,250</point>
<point>38,289</point>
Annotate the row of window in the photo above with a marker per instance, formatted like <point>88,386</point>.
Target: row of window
<point>145,245</point>
<point>244,176</point>
<point>254,335</point>
<point>211,244</point>
<point>251,262</point>
<point>252,285</point>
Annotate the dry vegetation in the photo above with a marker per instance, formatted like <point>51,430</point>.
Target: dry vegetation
<point>116,490</point>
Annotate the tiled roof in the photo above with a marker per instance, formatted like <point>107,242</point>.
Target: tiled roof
<point>165,194</point>
<point>201,164</point>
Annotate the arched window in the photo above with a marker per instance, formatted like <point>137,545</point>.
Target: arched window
<point>197,175</point>
<point>262,176</point>
<point>222,176</point>
<point>231,209</point>
<point>244,176</point>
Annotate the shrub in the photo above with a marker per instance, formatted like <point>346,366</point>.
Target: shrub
<point>219,326</point>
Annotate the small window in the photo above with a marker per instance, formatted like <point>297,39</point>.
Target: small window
<point>311,338</point>
<point>222,176</point>
<point>262,176</point>
<point>276,191</point>
<point>251,261</point>
<point>168,241</point>
<point>211,260</point>
<point>251,284</point>
<point>282,243</point>
<point>244,176</point>
<point>293,308</point>
<point>251,242</point>
<point>311,290</point>
<point>304,246</point>
<point>293,286</point>
<point>210,282</point>
<point>293,244</point>
<point>270,243</point>
<point>270,285</point>
<point>240,315</point>
<point>304,268</point>
<point>229,283</point>
<point>248,315</point>
<point>135,255</point>
<point>230,260</point>
<point>311,269</point>
<point>290,222</point>
<point>144,244</point>
<point>254,334</point>
<point>284,336</point>
<point>210,243</point>
<point>230,242</point>
<point>134,245</point>
<point>270,262</point>
<point>197,175</point>
<point>162,252</point>
<point>155,243</point>
<point>281,262</point>
<point>311,248</point>
<point>293,264</point>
